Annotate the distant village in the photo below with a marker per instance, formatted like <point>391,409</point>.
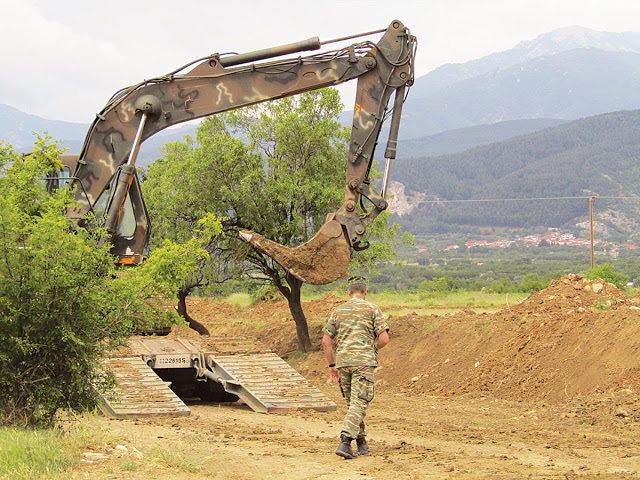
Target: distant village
<point>538,240</point>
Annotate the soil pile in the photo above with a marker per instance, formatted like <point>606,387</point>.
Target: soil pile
<point>576,339</point>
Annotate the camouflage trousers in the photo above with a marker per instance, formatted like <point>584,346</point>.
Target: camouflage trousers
<point>356,384</point>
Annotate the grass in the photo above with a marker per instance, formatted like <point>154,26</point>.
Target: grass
<point>481,325</point>
<point>404,303</point>
<point>31,454</point>
<point>175,459</point>
<point>240,301</point>
<point>53,454</point>
<point>601,305</point>
<point>28,453</point>
<point>258,324</point>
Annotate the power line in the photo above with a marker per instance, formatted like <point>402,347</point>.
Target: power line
<point>530,199</point>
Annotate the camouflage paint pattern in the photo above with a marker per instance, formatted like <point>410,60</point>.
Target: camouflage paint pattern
<point>130,249</point>
<point>355,325</point>
<point>210,88</point>
<point>357,387</point>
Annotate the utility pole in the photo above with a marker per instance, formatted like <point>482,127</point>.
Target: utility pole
<point>591,200</point>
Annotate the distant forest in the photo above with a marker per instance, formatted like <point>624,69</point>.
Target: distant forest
<point>597,156</point>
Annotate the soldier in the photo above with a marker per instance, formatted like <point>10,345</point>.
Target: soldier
<point>360,330</point>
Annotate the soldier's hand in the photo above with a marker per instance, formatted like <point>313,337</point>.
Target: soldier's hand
<point>334,374</point>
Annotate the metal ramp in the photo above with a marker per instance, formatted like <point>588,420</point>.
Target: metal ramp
<point>244,367</point>
<point>139,392</point>
<point>267,383</point>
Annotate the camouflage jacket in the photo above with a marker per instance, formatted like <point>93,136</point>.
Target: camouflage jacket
<point>355,325</point>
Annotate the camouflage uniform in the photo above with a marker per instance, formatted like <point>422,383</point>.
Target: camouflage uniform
<point>355,326</point>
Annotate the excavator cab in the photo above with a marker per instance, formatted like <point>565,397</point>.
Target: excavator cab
<point>130,241</point>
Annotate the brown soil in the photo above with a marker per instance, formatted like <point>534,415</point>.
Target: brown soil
<point>547,388</point>
<point>321,260</point>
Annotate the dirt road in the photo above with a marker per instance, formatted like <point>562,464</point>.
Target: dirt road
<point>411,437</point>
<point>544,389</point>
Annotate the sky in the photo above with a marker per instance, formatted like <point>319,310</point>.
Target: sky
<point>63,59</point>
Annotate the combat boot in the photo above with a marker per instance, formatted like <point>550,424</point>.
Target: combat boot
<point>344,449</point>
<point>363,448</point>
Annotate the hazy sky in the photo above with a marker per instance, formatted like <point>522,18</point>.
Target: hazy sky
<point>63,59</point>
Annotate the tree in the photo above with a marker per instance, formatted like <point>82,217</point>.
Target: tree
<point>605,272</point>
<point>63,303</point>
<point>277,169</point>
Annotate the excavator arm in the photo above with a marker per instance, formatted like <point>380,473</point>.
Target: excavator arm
<point>220,83</point>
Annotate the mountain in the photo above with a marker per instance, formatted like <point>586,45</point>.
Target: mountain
<point>17,129</point>
<point>458,140</point>
<point>547,44</point>
<point>566,74</point>
<point>542,179</point>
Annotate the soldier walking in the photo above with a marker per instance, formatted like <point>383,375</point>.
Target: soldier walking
<point>360,330</point>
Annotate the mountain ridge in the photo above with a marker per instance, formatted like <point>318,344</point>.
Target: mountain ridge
<point>566,164</point>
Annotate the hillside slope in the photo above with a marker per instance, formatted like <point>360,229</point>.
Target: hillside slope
<point>595,156</point>
<point>566,85</point>
<point>461,139</point>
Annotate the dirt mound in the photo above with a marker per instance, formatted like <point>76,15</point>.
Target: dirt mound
<point>575,294</point>
<point>576,339</point>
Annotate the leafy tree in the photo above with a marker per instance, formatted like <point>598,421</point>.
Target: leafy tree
<point>606,273</point>
<point>277,168</point>
<point>504,285</point>
<point>63,304</point>
<point>533,282</point>
<point>436,286</point>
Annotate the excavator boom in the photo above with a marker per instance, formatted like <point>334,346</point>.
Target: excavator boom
<point>220,83</point>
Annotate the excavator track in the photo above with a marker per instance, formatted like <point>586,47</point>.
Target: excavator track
<point>244,367</point>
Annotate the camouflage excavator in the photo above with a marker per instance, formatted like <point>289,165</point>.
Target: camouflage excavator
<point>104,172</point>
<point>219,83</point>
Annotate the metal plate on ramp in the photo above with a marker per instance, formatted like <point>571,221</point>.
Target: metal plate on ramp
<point>267,383</point>
<point>245,367</point>
<point>139,392</point>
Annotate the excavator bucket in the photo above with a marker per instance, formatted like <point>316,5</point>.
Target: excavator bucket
<point>321,260</point>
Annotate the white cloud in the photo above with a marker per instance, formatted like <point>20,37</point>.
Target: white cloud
<point>63,59</point>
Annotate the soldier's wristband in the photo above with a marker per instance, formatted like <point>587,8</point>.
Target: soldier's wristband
<point>331,365</point>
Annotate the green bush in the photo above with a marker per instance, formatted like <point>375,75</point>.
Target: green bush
<point>435,286</point>
<point>533,282</point>
<point>63,304</point>
<point>504,285</point>
<point>606,273</point>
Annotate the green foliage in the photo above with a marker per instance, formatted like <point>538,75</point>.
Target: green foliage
<point>435,287</point>
<point>606,273</point>
<point>281,182</point>
<point>63,304</point>
<point>504,285</point>
<point>277,168</point>
<point>533,282</point>
<point>267,293</point>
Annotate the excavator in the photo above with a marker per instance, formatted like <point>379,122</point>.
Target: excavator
<point>107,186</point>
<point>104,173</point>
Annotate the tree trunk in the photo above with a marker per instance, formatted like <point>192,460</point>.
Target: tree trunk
<point>295,307</point>
<point>183,293</point>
